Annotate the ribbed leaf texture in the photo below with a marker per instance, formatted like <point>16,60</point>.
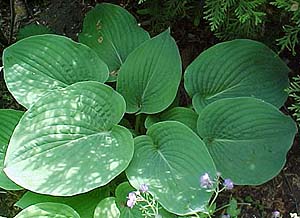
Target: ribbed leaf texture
<point>238,68</point>
<point>38,64</point>
<point>170,159</point>
<point>113,33</point>
<point>150,76</point>
<point>247,138</point>
<point>69,142</point>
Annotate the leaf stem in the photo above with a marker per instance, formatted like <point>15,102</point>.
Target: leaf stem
<point>227,205</point>
<point>137,122</point>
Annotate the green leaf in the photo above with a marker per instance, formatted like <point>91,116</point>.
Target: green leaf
<point>113,33</point>
<point>238,68</point>
<point>122,192</point>
<point>8,121</point>
<point>51,210</point>
<point>33,30</point>
<point>107,209</point>
<point>170,159</point>
<point>68,142</point>
<point>233,209</point>
<point>43,63</point>
<point>150,76</point>
<point>181,114</point>
<point>78,202</point>
<point>247,138</point>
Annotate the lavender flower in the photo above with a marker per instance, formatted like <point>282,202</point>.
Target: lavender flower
<point>144,188</point>
<point>225,216</point>
<point>228,184</point>
<point>205,181</point>
<point>276,214</point>
<point>131,200</point>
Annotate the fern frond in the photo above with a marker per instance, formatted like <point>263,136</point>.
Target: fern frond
<point>215,11</point>
<point>294,92</point>
<point>290,38</point>
<point>250,10</point>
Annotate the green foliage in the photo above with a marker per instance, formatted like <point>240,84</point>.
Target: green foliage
<point>148,68</point>
<point>76,202</point>
<point>294,92</point>
<point>113,33</point>
<point>231,19</point>
<point>8,121</point>
<point>48,210</point>
<point>181,114</point>
<point>176,177</point>
<point>163,14</point>
<point>70,141</point>
<point>291,31</point>
<point>33,30</point>
<point>64,62</point>
<point>233,209</point>
<point>235,18</point>
<point>227,75</point>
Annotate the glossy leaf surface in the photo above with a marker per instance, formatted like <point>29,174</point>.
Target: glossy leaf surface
<point>170,159</point>
<point>107,208</point>
<point>48,210</point>
<point>113,33</point>
<point>238,68</point>
<point>8,121</point>
<point>150,76</point>
<point>77,202</point>
<point>38,64</point>
<point>247,138</point>
<point>68,142</point>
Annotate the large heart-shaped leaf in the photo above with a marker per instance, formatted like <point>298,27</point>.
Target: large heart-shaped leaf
<point>113,33</point>
<point>237,68</point>
<point>41,63</point>
<point>107,208</point>
<point>247,138</point>
<point>48,210</point>
<point>150,76</point>
<point>170,159</point>
<point>76,202</point>
<point>8,121</point>
<point>181,114</point>
<point>68,142</point>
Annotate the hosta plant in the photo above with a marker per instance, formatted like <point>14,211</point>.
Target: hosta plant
<point>82,144</point>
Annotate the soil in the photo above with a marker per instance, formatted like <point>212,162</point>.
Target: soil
<point>65,18</point>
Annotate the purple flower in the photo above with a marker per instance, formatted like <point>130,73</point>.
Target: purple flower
<point>276,214</point>
<point>131,200</point>
<point>205,181</point>
<point>144,188</point>
<point>225,216</point>
<point>228,184</point>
